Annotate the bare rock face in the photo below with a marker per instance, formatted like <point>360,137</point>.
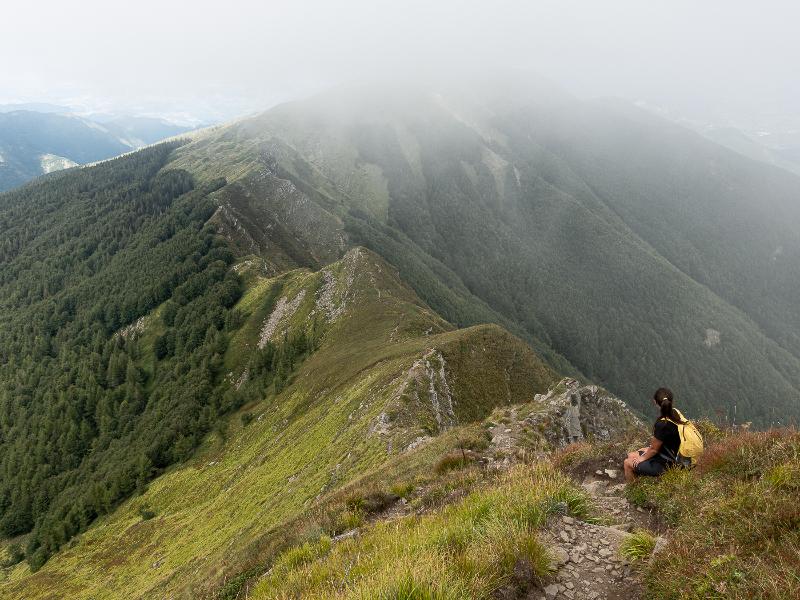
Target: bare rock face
<point>135,329</point>
<point>712,338</point>
<point>283,311</point>
<point>570,413</point>
<point>265,214</point>
<point>337,290</point>
<point>425,386</point>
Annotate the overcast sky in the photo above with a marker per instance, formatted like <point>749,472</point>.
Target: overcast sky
<point>221,58</point>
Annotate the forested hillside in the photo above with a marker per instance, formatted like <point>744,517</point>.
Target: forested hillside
<point>381,379</point>
<point>634,249</point>
<point>87,415</point>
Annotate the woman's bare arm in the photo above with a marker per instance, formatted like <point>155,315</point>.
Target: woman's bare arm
<point>649,452</point>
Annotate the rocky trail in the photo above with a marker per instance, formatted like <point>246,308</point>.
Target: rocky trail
<point>588,564</point>
<point>586,560</point>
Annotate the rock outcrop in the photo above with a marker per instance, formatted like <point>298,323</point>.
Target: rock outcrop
<point>600,414</point>
<point>567,413</point>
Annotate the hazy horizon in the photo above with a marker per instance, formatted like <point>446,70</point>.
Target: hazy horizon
<point>723,62</point>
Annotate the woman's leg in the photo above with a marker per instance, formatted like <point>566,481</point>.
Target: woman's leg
<point>627,465</point>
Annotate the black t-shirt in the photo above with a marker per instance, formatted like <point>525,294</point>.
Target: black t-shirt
<point>667,432</point>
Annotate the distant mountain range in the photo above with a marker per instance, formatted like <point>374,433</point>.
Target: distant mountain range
<point>772,138</point>
<point>36,139</point>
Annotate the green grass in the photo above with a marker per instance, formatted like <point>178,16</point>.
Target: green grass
<point>735,521</point>
<point>469,549</point>
<point>403,490</point>
<point>454,460</point>
<point>638,546</point>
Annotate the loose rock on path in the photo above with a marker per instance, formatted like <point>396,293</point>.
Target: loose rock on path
<point>587,561</point>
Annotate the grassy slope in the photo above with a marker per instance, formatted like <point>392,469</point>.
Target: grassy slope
<point>732,525</point>
<point>319,433</point>
<point>470,549</point>
<point>735,520</point>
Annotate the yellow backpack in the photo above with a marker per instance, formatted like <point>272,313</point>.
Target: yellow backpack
<point>691,441</point>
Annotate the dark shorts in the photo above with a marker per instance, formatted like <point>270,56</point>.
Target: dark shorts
<point>650,468</point>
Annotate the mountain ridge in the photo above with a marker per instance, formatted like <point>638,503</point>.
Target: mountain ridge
<point>357,397</point>
<point>339,171</point>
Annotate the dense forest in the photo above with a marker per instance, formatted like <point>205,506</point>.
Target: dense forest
<point>91,408</point>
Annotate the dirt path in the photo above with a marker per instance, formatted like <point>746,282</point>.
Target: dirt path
<point>503,435</point>
<point>589,565</point>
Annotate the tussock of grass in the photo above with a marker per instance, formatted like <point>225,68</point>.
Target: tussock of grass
<point>736,521</point>
<point>403,490</point>
<point>574,454</point>
<point>146,513</point>
<point>372,502</point>
<point>571,500</point>
<point>784,477</point>
<point>474,439</point>
<point>638,545</point>
<point>451,486</point>
<point>469,549</point>
<point>296,557</point>
<point>454,460</point>
<point>586,456</point>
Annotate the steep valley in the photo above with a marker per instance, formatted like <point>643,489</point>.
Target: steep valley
<point>611,241</point>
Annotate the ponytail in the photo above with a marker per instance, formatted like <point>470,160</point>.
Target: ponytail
<point>663,398</point>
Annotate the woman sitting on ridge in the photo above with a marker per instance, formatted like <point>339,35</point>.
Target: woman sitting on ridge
<point>662,452</point>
